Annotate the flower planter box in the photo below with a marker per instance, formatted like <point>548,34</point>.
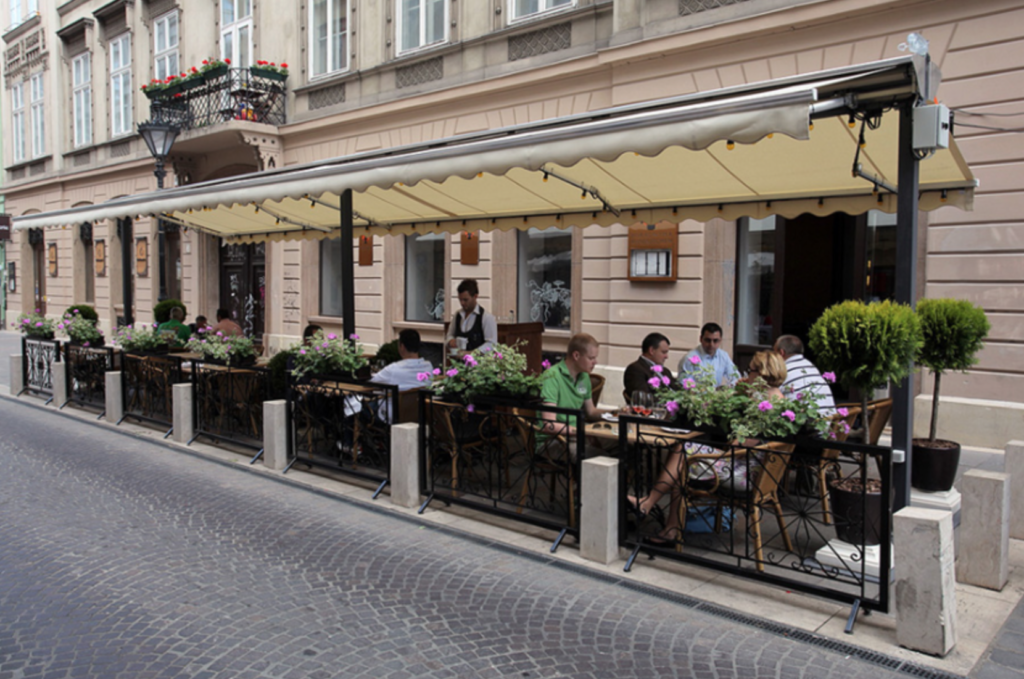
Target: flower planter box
<point>267,73</point>
<point>215,72</point>
<point>192,83</point>
<point>155,93</point>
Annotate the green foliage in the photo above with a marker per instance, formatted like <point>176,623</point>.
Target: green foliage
<point>498,371</point>
<point>329,354</point>
<point>953,330</point>
<point>35,324</point>
<point>388,353</point>
<point>83,310</point>
<point>162,311</point>
<point>79,328</point>
<point>866,345</point>
<point>139,339</point>
<point>221,347</point>
<point>278,367</point>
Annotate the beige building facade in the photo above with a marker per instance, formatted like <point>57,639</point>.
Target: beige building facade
<point>371,76</point>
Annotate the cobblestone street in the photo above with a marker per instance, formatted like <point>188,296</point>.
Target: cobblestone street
<point>121,558</point>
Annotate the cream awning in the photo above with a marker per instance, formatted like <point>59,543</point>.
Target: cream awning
<point>750,151</point>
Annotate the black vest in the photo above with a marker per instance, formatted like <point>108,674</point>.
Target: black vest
<point>475,335</point>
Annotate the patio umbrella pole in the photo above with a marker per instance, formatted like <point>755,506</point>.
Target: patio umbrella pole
<point>348,283</point>
<point>906,275</point>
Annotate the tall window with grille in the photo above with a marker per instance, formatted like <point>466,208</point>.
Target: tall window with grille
<point>165,45</point>
<point>121,85</point>
<point>38,113</point>
<point>330,277</point>
<point>545,277</point>
<point>18,121</point>
<point>424,277</point>
<point>236,32</point>
<point>81,84</point>
<point>519,9</point>
<point>421,23</point>
<point>328,36</point>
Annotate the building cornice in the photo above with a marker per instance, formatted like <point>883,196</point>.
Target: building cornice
<point>22,28</point>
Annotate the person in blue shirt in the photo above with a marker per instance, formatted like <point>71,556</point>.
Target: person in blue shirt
<point>710,353</point>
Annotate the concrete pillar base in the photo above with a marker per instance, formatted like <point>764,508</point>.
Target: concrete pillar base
<point>925,580</point>
<point>406,474</point>
<point>59,375</point>
<point>17,374</point>
<point>847,558</point>
<point>114,396</point>
<point>943,501</point>
<point>184,417</point>
<point>599,510</point>
<point>984,557</point>
<point>1013,464</point>
<point>275,434</point>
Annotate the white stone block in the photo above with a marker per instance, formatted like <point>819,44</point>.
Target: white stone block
<point>847,558</point>
<point>275,434</point>
<point>17,374</point>
<point>925,580</point>
<point>599,510</point>
<point>984,557</point>
<point>114,396</point>
<point>1013,464</point>
<point>943,500</point>
<point>59,375</point>
<point>184,416</point>
<point>406,474</point>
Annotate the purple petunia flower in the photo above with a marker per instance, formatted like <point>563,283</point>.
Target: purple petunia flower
<point>689,383</point>
<point>843,412</point>
<point>672,407</point>
<point>545,364</point>
<point>829,377</point>
<point>39,324</point>
<point>765,406</point>
<point>452,373</point>
<point>498,355</point>
<point>332,336</point>
<point>654,382</point>
<point>302,352</point>
<point>789,415</point>
<point>326,345</point>
<point>656,368</point>
<point>437,371</point>
<point>353,336</point>
<point>422,377</point>
<point>470,360</point>
<point>470,408</point>
<point>665,381</point>
<point>695,360</point>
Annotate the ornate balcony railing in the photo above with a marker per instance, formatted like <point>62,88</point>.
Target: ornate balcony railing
<point>38,357</point>
<point>87,373</point>
<point>235,94</point>
<point>228,403</point>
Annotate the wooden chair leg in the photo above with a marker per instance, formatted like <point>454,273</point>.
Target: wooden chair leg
<point>755,520</point>
<point>823,493</point>
<point>782,524</point>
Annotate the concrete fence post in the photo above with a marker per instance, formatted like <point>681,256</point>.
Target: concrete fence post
<point>275,434</point>
<point>406,475</point>
<point>599,510</point>
<point>114,397</point>
<point>17,373</point>
<point>184,416</point>
<point>984,555</point>
<point>59,375</point>
<point>1013,464</point>
<point>925,580</point>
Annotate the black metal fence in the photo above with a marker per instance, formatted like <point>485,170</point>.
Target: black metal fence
<point>236,94</point>
<point>87,374</point>
<point>37,359</point>
<point>228,403</point>
<point>812,516</point>
<point>147,387</point>
<point>342,425</point>
<point>494,458</point>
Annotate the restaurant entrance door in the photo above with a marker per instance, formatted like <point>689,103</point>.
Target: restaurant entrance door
<point>243,286</point>
<point>788,271</point>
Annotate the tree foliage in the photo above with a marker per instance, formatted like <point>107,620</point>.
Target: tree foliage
<point>953,330</point>
<point>162,311</point>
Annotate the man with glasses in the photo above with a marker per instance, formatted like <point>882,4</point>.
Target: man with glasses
<point>710,353</point>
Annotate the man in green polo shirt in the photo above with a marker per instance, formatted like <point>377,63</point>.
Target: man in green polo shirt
<point>567,385</point>
<point>174,328</point>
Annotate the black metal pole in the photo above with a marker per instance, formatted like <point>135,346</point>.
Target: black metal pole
<point>124,227</point>
<point>161,254</point>
<point>348,273</point>
<point>906,278</point>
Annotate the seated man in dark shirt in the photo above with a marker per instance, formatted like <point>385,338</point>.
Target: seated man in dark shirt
<point>654,353</point>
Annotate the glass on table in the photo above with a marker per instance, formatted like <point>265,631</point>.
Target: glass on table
<point>642,403</point>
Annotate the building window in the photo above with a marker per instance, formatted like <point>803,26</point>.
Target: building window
<point>81,82</point>
<point>421,23</point>
<point>545,277</point>
<point>330,277</point>
<point>236,32</point>
<point>755,282</point>
<point>121,85</point>
<point>18,121</point>
<point>328,36</point>
<point>526,8</point>
<point>165,45</point>
<point>23,10</point>
<point>38,115</point>
<point>424,278</point>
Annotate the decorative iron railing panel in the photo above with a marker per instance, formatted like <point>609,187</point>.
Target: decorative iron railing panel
<point>812,516</point>
<point>341,424</point>
<point>228,403</point>
<point>37,359</point>
<point>87,373</point>
<point>494,458</point>
<point>235,95</point>
<point>147,386</point>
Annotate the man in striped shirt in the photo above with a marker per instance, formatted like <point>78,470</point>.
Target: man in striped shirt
<point>802,377</point>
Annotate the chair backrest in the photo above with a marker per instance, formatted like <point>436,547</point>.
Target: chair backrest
<point>441,428</point>
<point>409,406</point>
<point>774,458</point>
<point>596,387</point>
<point>627,397</point>
<point>879,413</point>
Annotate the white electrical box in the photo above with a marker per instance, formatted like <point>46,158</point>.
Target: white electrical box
<point>931,127</point>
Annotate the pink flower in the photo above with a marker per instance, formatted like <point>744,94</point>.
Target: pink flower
<point>422,377</point>
<point>846,428</point>
<point>829,377</point>
<point>545,364</point>
<point>353,336</point>
<point>765,406</point>
<point>498,355</point>
<point>332,336</point>
<point>470,360</point>
<point>326,345</point>
<point>220,334</point>
<point>695,359</point>
<point>437,371</point>
<point>39,324</point>
<point>843,412</point>
<point>654,382</point>
<point>656,368</point>
<point>672,407</point>
<point>302,352</point>
<point>689,383</point>
<point>452,373</point>
<point>665,381</point>
<point>470,408</point>
<point>789,415</point>
<point>832,435</point>
<point>798,396</point>
<point>85,344</point>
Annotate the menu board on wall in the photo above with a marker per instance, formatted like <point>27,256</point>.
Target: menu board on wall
<point>100,252</point>
<point>51,259</point>
<point>141,257</point>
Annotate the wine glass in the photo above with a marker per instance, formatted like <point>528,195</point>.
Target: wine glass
<point>641,403</point>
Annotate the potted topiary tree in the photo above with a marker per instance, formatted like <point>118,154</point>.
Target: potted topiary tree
<point>953,330</point>
<point>162,311</point>
<point>866,346</point>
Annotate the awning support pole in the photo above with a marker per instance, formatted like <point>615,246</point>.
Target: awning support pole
<point>906,278</point>
<point>124,228</point>
<point>348,274</point>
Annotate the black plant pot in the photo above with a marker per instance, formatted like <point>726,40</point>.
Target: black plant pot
<point>857,515</point>
<point>934,465</point>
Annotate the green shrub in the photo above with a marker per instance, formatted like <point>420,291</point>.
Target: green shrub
<point>83,310</point>
<point>953,330</point>
<point>388,353</point>
<point>162,311</point>
<point>278,367</point>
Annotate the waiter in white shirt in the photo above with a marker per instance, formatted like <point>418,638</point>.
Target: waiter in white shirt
<point>479,328</point>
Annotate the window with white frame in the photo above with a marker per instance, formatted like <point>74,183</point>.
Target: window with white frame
<point>165,45</point>
<point>23,10</point>
<point>545,277</point>
<point>38,113</point>
<point>328,36</point>
<point>331,303</point>
<point>236,32</point>
<point>121,85</point>
<point>18,122</point>
<point>81,84</point>
<point>421,23</point>
<point>424,277</point>
<point>519,9</point>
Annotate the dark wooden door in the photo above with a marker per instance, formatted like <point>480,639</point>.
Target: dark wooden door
<point>243,286</point>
